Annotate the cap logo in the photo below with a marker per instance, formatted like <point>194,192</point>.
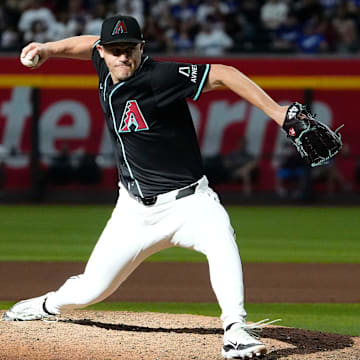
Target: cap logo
<point>119,28</point>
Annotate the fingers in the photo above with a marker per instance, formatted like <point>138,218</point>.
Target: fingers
<point>33,49</point>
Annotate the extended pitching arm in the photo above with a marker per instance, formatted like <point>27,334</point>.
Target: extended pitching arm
<point>78,47</point>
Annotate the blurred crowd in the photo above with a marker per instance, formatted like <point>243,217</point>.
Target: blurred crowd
<point>293,177</point>
<point>206,27</point>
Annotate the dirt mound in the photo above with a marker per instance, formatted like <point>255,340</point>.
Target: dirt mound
<point>126,335</point>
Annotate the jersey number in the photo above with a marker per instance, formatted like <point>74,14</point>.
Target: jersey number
<point>132,118</point>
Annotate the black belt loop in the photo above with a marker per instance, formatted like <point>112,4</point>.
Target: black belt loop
<point>149,200</point>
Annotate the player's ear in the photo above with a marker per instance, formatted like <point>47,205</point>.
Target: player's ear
<point>100,49</point>
<point>142,44</point>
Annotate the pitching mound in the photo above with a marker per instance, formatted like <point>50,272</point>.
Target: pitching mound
<point>125,335</point>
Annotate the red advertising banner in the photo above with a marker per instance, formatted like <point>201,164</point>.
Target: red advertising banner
<point>70,112</point>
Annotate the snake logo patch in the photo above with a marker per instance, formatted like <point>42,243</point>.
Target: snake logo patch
<point>132,119</point>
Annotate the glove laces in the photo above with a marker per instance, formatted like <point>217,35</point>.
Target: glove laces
<point>255,329</point>
<point>336,131</point>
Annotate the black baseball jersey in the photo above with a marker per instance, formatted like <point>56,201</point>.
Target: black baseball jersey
<point>156,147</point>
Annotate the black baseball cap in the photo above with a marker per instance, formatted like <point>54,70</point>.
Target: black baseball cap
<point>120,28</point>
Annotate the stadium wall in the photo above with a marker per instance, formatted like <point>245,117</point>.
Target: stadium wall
<point>70,111</point>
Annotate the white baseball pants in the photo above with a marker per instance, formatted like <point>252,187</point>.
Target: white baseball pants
<point>136,231</point>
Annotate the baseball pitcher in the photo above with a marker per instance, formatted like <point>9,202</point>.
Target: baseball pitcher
<point>164,196</point>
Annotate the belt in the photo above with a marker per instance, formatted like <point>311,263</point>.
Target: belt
<point>171,195</point>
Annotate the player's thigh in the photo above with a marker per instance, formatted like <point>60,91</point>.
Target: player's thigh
<point>205,225</point>
<point>120,244</point>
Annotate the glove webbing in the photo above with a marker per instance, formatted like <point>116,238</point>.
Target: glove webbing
<point>333,137</point>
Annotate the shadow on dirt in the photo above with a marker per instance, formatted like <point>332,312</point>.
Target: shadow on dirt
<point>304,341</point>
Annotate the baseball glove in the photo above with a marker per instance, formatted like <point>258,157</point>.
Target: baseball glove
<point>315,141</point>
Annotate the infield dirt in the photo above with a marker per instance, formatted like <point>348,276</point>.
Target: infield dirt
<point>154,336</point>
<point>189,282</point>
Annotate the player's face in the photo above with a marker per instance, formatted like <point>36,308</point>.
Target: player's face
<point>122,59</point>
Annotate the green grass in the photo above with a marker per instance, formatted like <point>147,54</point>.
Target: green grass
<point>50,233</point>
<point>304,234</point>
<point>264,234</point>
<point>335,318</point>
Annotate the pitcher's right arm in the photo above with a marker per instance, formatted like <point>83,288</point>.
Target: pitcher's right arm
<point>77,47</point>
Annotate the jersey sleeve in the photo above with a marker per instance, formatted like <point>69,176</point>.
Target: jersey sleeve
<point>173,81</point>
<point>99,63</point>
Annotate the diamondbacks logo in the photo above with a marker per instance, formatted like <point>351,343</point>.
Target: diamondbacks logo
<point>132,119</point>
<point>119,28</point>
<point>292,132</point>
